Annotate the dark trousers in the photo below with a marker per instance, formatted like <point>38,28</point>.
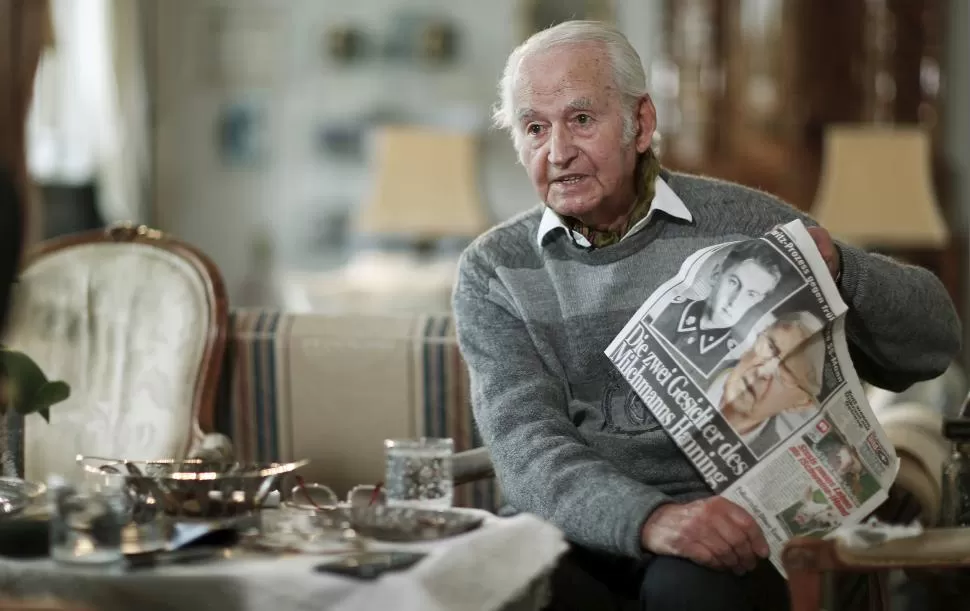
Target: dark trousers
<point>586,580</point>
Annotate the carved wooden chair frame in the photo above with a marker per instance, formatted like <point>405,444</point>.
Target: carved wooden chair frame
<point>205,394</point>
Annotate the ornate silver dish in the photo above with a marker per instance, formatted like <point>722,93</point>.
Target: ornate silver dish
<point>16,494</point>
<point>404,524</point>
<point>192,488</point>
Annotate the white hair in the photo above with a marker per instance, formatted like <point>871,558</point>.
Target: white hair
<point>628,74</point>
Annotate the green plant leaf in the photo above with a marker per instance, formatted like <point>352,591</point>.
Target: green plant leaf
<point>47,395</point>
<point>28,389</point>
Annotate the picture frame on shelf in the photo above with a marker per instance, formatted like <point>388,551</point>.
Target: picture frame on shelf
<point>242,133</point>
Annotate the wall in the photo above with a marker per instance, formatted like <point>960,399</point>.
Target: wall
<point>292,192</point>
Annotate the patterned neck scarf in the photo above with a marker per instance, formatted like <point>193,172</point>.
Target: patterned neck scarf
<point>648,168</point>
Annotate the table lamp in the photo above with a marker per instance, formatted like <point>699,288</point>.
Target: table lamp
<point>876,188</point>
<point>425,186</point>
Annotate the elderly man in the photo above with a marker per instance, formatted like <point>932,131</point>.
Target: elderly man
<point>539,297</point>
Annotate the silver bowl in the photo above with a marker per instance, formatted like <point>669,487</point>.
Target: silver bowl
<point>17,494</point>
<point>192,488</point>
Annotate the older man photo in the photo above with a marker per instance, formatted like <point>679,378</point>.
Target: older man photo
<point>774,386</point>
<point>539,297</point>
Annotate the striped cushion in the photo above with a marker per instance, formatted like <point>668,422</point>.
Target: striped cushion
<point>352,381</point>
<point>249,418</point>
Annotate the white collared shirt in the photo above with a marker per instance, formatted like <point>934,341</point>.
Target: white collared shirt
<point>664,199</point>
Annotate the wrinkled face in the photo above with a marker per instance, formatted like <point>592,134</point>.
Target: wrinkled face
<point>737,290</point>
<point>772,377</point>
<point>570,120</point>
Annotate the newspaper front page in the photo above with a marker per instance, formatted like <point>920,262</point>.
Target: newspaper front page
<point>742,357</point>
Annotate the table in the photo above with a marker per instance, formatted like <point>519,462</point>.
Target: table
<point>502,565</point>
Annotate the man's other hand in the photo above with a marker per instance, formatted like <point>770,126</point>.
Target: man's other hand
<point>713,532</point>
<point>828,250</point>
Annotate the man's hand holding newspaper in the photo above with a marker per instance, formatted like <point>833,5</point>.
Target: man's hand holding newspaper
<point>713,532</point>
<point>828,250</point>
<point>742,358</point>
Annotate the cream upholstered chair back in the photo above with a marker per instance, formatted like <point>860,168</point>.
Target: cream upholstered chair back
<point>135,322</point>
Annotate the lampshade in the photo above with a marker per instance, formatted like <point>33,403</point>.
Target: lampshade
<point>876,188</point>
<point>425,185</point>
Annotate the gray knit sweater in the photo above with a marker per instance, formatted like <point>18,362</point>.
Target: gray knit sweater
<point>569,439</point>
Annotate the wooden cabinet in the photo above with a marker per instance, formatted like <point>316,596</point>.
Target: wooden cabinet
<point>755,83</point>
<point>758,81</point>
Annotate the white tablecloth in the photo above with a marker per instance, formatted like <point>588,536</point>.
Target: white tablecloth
<point>482,570</point>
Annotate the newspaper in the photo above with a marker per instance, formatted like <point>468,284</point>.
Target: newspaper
<point>742,358</point>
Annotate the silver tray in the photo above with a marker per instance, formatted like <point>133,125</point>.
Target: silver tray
<point>16,494</point>
<point>405,524</point>
<point>193,488</point>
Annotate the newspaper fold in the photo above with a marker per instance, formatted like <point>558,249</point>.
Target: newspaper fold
<point>742,358</point>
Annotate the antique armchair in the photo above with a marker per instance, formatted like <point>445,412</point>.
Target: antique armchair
<point>809,561</point>
<point>135,321</point>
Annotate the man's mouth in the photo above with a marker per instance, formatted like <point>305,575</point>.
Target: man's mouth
<point>569,179</point>
<point>749,386</point>
<point>744,396</point>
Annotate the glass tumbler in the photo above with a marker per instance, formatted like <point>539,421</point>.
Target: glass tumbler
<point>87,519</point>
<point>418,472</point>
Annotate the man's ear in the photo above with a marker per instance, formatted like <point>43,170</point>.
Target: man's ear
<point>646,119</point>
<point>714,278</point>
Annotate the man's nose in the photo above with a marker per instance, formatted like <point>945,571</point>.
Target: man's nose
<point>561,148</point>
<point>769,368</point>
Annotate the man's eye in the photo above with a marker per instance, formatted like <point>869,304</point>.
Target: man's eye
<point>533,129</point>
<point>773,347</point>
<point>583,118</point>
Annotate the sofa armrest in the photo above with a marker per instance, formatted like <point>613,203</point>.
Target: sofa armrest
<point>472,466</point>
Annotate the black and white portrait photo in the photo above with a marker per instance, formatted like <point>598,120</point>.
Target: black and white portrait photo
<point>704,324</point>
